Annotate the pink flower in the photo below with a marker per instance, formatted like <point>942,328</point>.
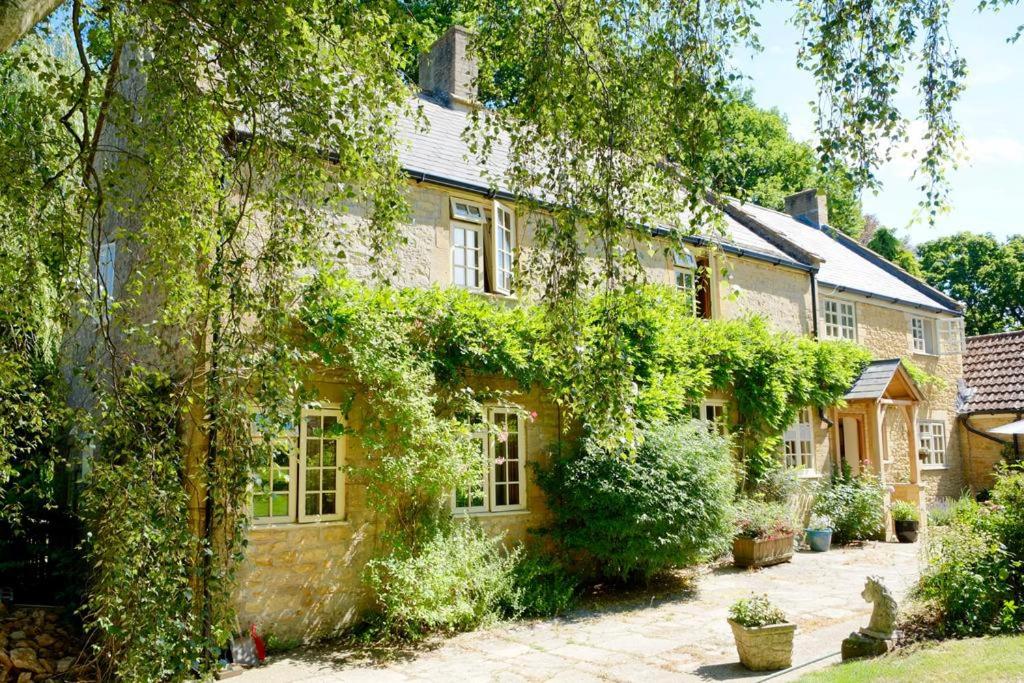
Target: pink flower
<point>503,436</point>
<point>533,414</point>
<point>499,461</point>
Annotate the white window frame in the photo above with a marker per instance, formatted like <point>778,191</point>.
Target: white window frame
<point>950,336</point>
<point>339,486</point>
<point>468,211</point>
<point>932,457</point>
<point>479,436</point>
<point>720,415</point>
<point>685,276</point>
<point>922,335</point>
<point>489,454</point>
<point>798,442</point>
<point>292,434</point>
<point>466,251</point>
<point>503,231</point>
<point>105,262</point>
<point>840,317</point>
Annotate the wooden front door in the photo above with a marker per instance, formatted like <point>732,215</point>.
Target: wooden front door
<point>851,441</point>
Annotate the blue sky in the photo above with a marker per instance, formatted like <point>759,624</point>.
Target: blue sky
<point>988,186</point>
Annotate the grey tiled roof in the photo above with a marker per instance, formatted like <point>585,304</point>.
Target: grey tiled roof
<point>440,153</point>
<point>846,266</point>
<point>994,373</point>
<point>873,382</point>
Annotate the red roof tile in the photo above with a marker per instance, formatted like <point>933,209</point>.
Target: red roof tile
<point>994,372</point>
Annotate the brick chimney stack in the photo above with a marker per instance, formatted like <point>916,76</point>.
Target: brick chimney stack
<point>808,205</point>
<point>449,71</point>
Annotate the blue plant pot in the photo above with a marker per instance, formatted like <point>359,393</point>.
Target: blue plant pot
<point>818,539</point>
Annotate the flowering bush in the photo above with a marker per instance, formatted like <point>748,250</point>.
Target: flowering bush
<point>854,504</point>
<point>902,511</point>
<point>761,520</point>
<point>756,611</point>
<point>819,523</point>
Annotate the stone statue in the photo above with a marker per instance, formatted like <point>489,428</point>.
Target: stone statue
<point>883,617</point>
<point>876,639</point>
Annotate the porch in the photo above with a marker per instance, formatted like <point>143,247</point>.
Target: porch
<point>876,431</point>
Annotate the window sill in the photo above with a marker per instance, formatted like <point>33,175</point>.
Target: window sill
<point>287,526</point>
<point>488,514</point>
<point>933,468</point>
<point>924,354</point>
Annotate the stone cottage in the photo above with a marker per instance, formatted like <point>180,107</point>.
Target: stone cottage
<point>312,531</point>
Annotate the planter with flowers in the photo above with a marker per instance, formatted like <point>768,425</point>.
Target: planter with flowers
<point>764,534</point>
<point>818,533</point>
<point>764,639</point>
<point>906,519</point>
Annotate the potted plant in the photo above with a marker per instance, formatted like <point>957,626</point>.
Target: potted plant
<point>764,639</point>
<point>764,534</point>
<point>906,519</point>
<point>818,533</point>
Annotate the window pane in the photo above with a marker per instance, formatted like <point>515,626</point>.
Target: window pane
<point>281,479</point>
<point>261,505</point>
<point>312,503</point>
<point>312,452</point>
<point>280,505</point>
<point>513,494</point>
<point>313,425</point>
<point>330,425</point>
<point>330,450</point>
<point>313,480</point>
<point>330,480</point>
<point>329,504</point>
<point>499,495</point>
<point>458,237</point>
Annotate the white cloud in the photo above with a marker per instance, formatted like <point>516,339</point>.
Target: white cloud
<point>995,149</point>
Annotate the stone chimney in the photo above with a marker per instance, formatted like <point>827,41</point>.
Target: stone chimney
<point>449,72</point>
<point>808,205</point>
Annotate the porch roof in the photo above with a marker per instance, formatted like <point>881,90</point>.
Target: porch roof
<point>884,378</point>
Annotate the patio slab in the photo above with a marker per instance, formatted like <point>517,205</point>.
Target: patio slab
<point>671,635</point>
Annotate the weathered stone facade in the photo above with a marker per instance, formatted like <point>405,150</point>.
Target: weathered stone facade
<point>301,581</point>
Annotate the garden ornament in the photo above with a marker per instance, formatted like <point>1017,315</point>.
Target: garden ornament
<point>883,617</point>
<point>876,639</point>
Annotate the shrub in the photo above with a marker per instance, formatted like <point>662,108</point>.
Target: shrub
<point>756,611</point>
<point>541,587</point>
<point>456,580</point>
<point>966,577</point>
<point>819,523</point>
<point>855,506</point>
<point>762,521</point>
<point>667,504</point>
<point>943,513</point>
<point>902,511</point>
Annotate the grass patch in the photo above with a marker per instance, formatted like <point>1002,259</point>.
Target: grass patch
<point>975,659</point>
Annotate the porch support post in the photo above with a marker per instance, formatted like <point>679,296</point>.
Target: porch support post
<point>879,440</point>
<point>915,464</point>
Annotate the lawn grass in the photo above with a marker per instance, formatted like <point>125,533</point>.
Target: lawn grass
<point>975,659</point>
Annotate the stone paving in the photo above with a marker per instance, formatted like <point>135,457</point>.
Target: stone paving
<point>673,634</point>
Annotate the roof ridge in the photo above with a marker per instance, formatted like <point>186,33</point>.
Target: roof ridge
<point>871,255</point>
<point>995,334</point>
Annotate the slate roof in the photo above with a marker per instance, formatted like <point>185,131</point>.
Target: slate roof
<point>994,373</point>
<point>440,154</point>
<point>874,380</point>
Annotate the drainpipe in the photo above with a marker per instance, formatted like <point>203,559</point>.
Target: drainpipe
<point>814,304</point>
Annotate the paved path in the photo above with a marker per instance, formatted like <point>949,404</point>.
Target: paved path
<point>679,634</point>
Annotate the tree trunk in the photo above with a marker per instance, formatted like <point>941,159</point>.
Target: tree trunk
<point>17,17</point>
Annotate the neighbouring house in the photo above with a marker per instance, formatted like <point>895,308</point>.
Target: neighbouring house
<point>312,530</point>
<point>992,395</point>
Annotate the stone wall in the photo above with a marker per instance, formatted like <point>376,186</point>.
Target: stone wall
<point>885,331</point>
<point>779,294</point>
<point>303,581</point>
<point>981,455</point>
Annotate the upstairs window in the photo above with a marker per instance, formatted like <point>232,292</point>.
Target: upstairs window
<point>483,243</point>
<point>931,446</point>
<point>840,320</point>
<point>686,278</point>
<point>501,485</point>
<point>922,335</point>
<point>703,307</point>
<point>951,336</point>
<point>798,442</point>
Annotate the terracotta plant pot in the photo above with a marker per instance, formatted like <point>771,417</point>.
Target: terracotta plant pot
<point>764,648</point>
<point>753,552</point>
<point>906,531</point>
